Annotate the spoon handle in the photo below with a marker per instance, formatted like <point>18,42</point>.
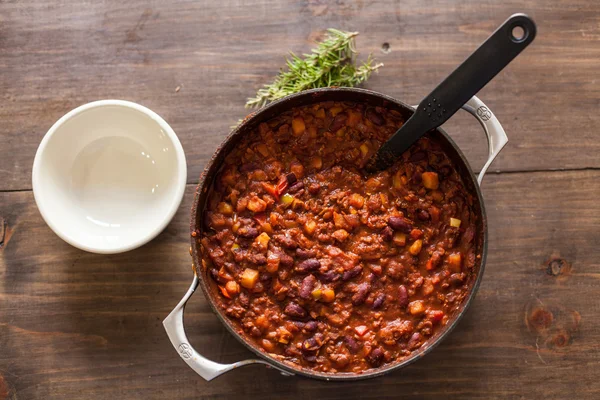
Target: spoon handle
<point>462,84</point>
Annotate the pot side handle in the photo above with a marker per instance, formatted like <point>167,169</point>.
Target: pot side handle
<point>494,132</point>
<point>204,367</point>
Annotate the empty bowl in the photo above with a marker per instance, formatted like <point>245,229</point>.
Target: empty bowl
<point>109,176</point>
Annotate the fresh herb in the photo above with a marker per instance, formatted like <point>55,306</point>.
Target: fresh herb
<point>332,63</point>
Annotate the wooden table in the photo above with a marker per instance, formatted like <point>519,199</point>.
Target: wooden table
<point>85,326</point>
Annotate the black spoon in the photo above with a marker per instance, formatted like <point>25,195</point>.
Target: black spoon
<point>474,73</point>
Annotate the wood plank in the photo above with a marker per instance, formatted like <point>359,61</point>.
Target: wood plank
<point>79,325</point>
<point>57,55</point>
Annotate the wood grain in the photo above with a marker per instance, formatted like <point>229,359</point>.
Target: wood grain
<point>57,55</point>
<point>74,324</point>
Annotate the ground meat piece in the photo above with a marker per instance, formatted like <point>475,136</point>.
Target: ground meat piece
<point>395,330</point>
<point>285,241</point>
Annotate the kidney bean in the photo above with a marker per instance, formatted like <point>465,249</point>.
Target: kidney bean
<point>352,344</point>
<point>387,233</point>
<point>375,357</point>
<point>400,224</point>
<point>311,326</point>
<point>417,156</point>
<point>374,117</point>
<point>285,241</point>
<point>338,122</point>
<point>351,273</point>
<point>414,340</point>
<point>309,265</point>
<point>310,357</point>
<point>360,296</point>
<point>402,296</point>
<point>423,215</point>
<point>291,178</point>
<point>247,167</point>
<point>294,310</point>
<point>378,301</point>
<point>329,276</point>
<point>308,284</point>
<point>304,254</point>
<point>296,187</point>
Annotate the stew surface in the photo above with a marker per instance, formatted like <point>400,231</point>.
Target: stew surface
<point>323,267</point>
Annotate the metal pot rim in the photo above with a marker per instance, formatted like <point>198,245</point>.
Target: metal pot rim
<point>206,181</point>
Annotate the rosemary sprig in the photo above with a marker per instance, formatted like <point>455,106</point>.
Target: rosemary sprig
<point>332,63</point>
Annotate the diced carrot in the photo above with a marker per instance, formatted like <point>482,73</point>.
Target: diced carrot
<point>224,292</point>
<point>272,262</point>
<point>327,295</point>
<point>437,195</point>
<point>436,315</point>
<point>316,162</point>
<point>271,189</point>
<point>282,185</point>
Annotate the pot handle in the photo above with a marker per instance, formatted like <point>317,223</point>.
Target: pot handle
<point>207,369</point>
<point>494,132</point>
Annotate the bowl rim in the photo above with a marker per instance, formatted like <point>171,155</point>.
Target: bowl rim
<point>176,196</point>
<point>205,183</point>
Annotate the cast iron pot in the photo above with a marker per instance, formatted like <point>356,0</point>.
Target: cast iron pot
<point>174,322</point>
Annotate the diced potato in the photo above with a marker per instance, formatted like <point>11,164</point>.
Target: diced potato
<point>353,118</point>
<point>249,278</point>
<point>258,175</point>
<point>272,262</point>
<point>416,307</point>
<point>430,180</point>
<point>312,131</point>
<point>364,149</point>
<point>415,248</point>
<point>335,110</point>
<point>225,208</point>
<point>267,345</point>
<point>427,287</point>
<point>397,180</point>
<point>262,149</point>
<point>262,241</point>
<point>399,239</point>
<point>224,292</point>
<point>232,288</point>
<point>310,226</point>
<point>256,205</point>
<point>316,162</point>
<point>455,262</point>
<point>327,295</point>
<point>236,226</point>
<point>287,199</point>
<point>298,126</point>
<point>341,132</point>
<point>455,222</point>
<point>320,113</point>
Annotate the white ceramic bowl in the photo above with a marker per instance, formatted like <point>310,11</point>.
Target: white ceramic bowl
<point>109,176</point>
